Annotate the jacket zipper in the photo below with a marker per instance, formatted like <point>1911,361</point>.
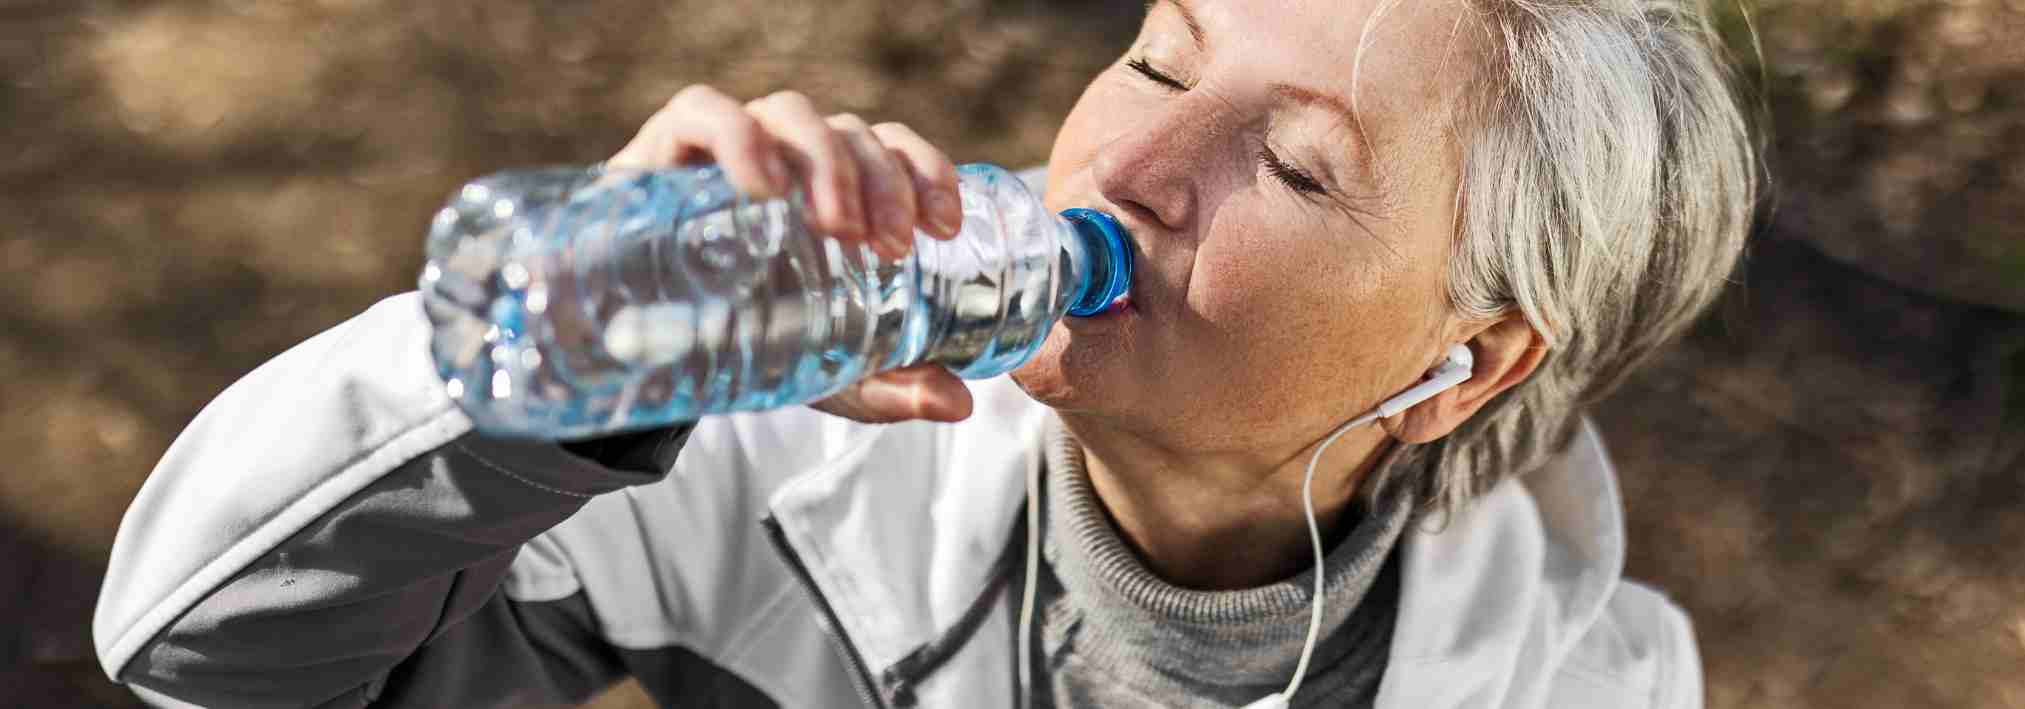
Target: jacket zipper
<point>861,677</point>
<point>924,660</point>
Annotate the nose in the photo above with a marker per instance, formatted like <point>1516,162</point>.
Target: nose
<point>1153,168</point>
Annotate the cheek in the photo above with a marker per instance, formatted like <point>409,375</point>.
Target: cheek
<point>1309,314</point>
<point>1290,337</point>
<point>1268,277</point>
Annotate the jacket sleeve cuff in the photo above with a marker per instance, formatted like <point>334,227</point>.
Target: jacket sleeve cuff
<point>584,468</point>
<point>650,452</point>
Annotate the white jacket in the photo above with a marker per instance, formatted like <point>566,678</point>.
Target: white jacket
<point>329,532</point>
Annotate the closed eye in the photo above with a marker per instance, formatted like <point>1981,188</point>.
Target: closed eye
<point>1294,178</point>
<point>1155,75</point>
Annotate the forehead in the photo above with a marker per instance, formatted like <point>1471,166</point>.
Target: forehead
<point>1385,58</point>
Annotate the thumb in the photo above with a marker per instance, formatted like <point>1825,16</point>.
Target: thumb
<point>920,392</point>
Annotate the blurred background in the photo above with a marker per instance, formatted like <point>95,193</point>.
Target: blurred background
<point>1829,473</point>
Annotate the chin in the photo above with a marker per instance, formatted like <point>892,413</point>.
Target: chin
<point>1071,377</point>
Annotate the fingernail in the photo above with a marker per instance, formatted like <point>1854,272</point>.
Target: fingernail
<point>899,229</point>
<point>844,222</point>
<point>944,213</point>
<point>857,223</point>
<point>874,388</point>
<point>882,247</point>
<point>777,172</point>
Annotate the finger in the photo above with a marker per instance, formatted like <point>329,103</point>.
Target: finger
<point>941,212</point>
<point>888,190</point>
<point>824,160</point>
<point>701,122</point>
<point>928,392</point>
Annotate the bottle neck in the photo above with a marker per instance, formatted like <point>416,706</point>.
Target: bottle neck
<point>1100,260</point>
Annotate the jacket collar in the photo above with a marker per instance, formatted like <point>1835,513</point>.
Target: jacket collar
<point>1491,604</point>
<point>901,528</point>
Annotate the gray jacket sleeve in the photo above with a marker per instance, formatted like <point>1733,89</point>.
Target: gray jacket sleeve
<point>329,532</point>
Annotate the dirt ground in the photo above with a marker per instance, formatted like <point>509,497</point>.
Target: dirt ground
<point>1829,473</point>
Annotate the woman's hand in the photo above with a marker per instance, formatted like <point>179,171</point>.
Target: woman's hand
<point>863,184</point>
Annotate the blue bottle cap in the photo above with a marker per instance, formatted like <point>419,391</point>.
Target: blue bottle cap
<point>1107,243</point>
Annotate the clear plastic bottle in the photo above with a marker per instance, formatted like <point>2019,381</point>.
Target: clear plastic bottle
<point>575,302</point>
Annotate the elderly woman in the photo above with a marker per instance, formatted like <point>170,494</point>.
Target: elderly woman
<point>1326,196</point>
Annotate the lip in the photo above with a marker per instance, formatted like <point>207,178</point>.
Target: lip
<point>1127,304</point>
<point>1118,308</point>
<point>1123,305</point>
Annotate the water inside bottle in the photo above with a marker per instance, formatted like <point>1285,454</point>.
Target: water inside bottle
<point>573,302</point>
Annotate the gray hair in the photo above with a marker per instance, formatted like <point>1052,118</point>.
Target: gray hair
<point>1607,183</point>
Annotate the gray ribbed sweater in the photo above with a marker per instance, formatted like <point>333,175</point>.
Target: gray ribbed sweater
<point>1112,634</point>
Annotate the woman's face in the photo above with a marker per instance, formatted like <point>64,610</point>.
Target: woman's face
<point>1291,254</point>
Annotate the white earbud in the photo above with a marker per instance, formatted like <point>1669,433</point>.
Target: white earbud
<point>1452,371</point>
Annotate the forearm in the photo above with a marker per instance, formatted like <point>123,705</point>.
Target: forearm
<point>326,517</point>
<point>330,615</point>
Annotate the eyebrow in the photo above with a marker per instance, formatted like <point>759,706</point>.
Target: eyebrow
<point>1310,97</point>
<point>1288,92</point>
<point>1285,92</point>
<point>1341,111</point>
<point>1187,18</point>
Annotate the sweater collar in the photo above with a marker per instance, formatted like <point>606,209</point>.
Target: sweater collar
<point>1491,601</point>
<point>1248,638</point>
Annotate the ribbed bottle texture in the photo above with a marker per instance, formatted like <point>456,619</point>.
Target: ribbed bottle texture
<point>574,302</point>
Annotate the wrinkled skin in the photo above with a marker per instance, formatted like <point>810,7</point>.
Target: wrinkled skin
<point>1293,242</point>
<point>1292,230</point>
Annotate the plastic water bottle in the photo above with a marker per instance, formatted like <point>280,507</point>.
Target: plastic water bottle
<point>574,302</point>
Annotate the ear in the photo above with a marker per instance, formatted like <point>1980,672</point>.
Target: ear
<point>1507,350</point>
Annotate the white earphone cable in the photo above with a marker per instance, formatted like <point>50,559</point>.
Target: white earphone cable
<point>1315,538</point>
<point>1455,370</point>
